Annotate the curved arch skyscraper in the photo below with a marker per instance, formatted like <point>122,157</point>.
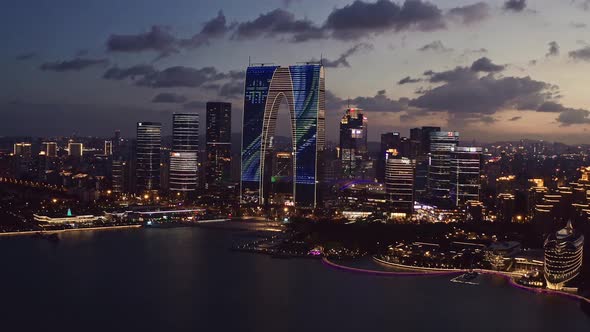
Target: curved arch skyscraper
<point>303,89</point>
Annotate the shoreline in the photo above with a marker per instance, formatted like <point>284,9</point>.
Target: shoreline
<point>57,231</point>
<point>448,272</point>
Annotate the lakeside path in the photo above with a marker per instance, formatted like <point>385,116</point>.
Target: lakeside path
<point>507,277</point>
<point>57,231</point>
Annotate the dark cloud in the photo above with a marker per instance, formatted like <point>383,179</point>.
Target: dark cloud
<point>217,27</point>
<point>469,14</point>
<point>572,116</point>
<point>408,80</point>
<point>158,39</point>
<point>485,95</point>
<point>553,49</point>
<point>180,76</point>
<point>484,64</point>
<point>116,73</point>
<point>380,103</point>
<point>578,25</point>
<point>278,22</point>
<point>232,89</point>
<point>457,74</point>
<point>25,56</point>
<point>76,64</point>
<point>515,5</point>
<point>582,54</point>
<point>362,19</point>
<point>168,97</point>
<point>551,107</point>
<point>342,60</point>
<point>435,46</point>
<point>192,105</point>
<point>515,118</point>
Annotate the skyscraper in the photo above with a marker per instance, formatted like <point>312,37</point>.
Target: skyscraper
<point>75,149</point>
<point>303,88</point>
<point>149,141</point>
<point>50,149</point>
<point>441,145</point>
<point>108,148</point>
<point>22,149</point>
<point>185,150</point>
<point>399,185</point>
<point>563,256</point>
<point>218,137</point>
<point>465,174</point>
<point>389,141</point>
<point>353,142</point>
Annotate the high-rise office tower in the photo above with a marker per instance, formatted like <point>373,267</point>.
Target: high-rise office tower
<point>303,88</point>
<point>425,133</point>
<point>563,257</point>
<point>118,175</point>
<point>218,137</point>
<point>22,149</point>
<point>75,149</point>
<point>50,149</point>
<point>353,142</point>
<point>389,141</point>
<point>108,148</point>
<point>441,145</point>
<point>185,150</point>
<point>399,185</point>
<point>465,174</point>
<point>147,156</point>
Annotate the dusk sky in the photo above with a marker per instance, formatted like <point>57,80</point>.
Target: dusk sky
<point>493,70</point>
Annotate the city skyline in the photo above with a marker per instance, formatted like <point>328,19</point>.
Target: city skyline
<point>401,69</point>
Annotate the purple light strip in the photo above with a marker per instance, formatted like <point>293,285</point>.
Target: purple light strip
<point>511,282</point>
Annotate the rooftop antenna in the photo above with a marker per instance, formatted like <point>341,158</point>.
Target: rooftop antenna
<point>348,103</point>
<point>322,59</point>
<point>249,61</point>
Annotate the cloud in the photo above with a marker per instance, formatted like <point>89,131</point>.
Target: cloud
<point>158,39</point>
<point>408,80</point>
<point>553,49</point>
<point>116,73</point>
<point>457,74</point>
<point>217,27</point>
<point>232,89</point>
<point>194,105</point>
<point>572,116</point>
<point>484,64</point>
<point>515,118</point>
<point>76,64</point>
<point>342,60</point>
<point>515,5</point>
<point>435,46</point>
<point>180,76</point>
<point>380,103</point>
<point>278,22</point>
<point>578,25</point>
<point>168,97</point>
<point>362,19</point>
<point>582,54</point>
<point>470,14</point>
<point>25,56</point>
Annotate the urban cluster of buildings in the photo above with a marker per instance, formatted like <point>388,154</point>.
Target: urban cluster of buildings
<point>429,176</point>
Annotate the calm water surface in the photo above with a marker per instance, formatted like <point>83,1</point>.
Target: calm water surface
<point>187,279</point>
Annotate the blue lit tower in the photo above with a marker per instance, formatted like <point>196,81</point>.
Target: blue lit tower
<point>303,88</point>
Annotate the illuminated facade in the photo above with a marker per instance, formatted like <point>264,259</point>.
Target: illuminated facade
<point>353,142</point>
<point>50,149</point>
<point>22,149</point>
<point>399,185</point>
<point>563,257</point>
<point>75,149</point>
<point>465,175</point>
<point>303,89</point>
<point>218,136</point>
<point>149,141</point>
<point>108,148</point>
<point>184,156</point>
<point>441,145</point>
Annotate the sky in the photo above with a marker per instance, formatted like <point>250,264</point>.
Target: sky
<point>493,70</point>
